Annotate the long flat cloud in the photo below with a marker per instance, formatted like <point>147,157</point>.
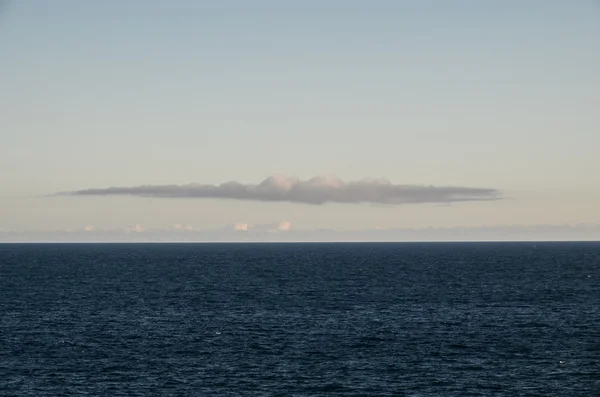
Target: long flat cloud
<point>319,190</point>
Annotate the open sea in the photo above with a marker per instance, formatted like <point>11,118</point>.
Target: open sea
<point>345,319</point>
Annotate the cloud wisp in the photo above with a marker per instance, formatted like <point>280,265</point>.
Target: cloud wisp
<point>316,191</point>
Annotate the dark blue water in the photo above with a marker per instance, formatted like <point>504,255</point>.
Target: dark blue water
<point>482,319</point>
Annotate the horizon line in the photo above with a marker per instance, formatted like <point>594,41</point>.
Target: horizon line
<point>307,242</point>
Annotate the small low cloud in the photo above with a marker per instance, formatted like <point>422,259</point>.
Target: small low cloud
<point>318,190</point>
<point>262,228</point>
<point>284,226</point>
<point>240,227</point>
<point>134,229</point>
<point>179,226</point>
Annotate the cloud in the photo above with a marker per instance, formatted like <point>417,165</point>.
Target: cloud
<point>134,229</point>
<point>318,190</point>
<point>179,226</point>
<point>284,226</point>
<point>262,228</point>
<point>240,227</point>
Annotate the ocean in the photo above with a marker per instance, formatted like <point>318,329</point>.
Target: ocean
<point>342,319</point>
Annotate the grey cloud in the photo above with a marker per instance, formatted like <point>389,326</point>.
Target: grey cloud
<point>315,191</point>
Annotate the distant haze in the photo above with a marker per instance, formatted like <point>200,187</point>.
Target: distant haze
<point>284,232</point>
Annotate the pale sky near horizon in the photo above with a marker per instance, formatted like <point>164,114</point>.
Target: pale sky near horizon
<point>490,94</point>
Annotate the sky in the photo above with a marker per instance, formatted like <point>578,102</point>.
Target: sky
<point>465,114</point>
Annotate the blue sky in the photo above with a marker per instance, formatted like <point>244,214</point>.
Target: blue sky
<point>465,93</point>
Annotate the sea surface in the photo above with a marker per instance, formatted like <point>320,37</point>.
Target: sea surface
<point>387,319</point>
